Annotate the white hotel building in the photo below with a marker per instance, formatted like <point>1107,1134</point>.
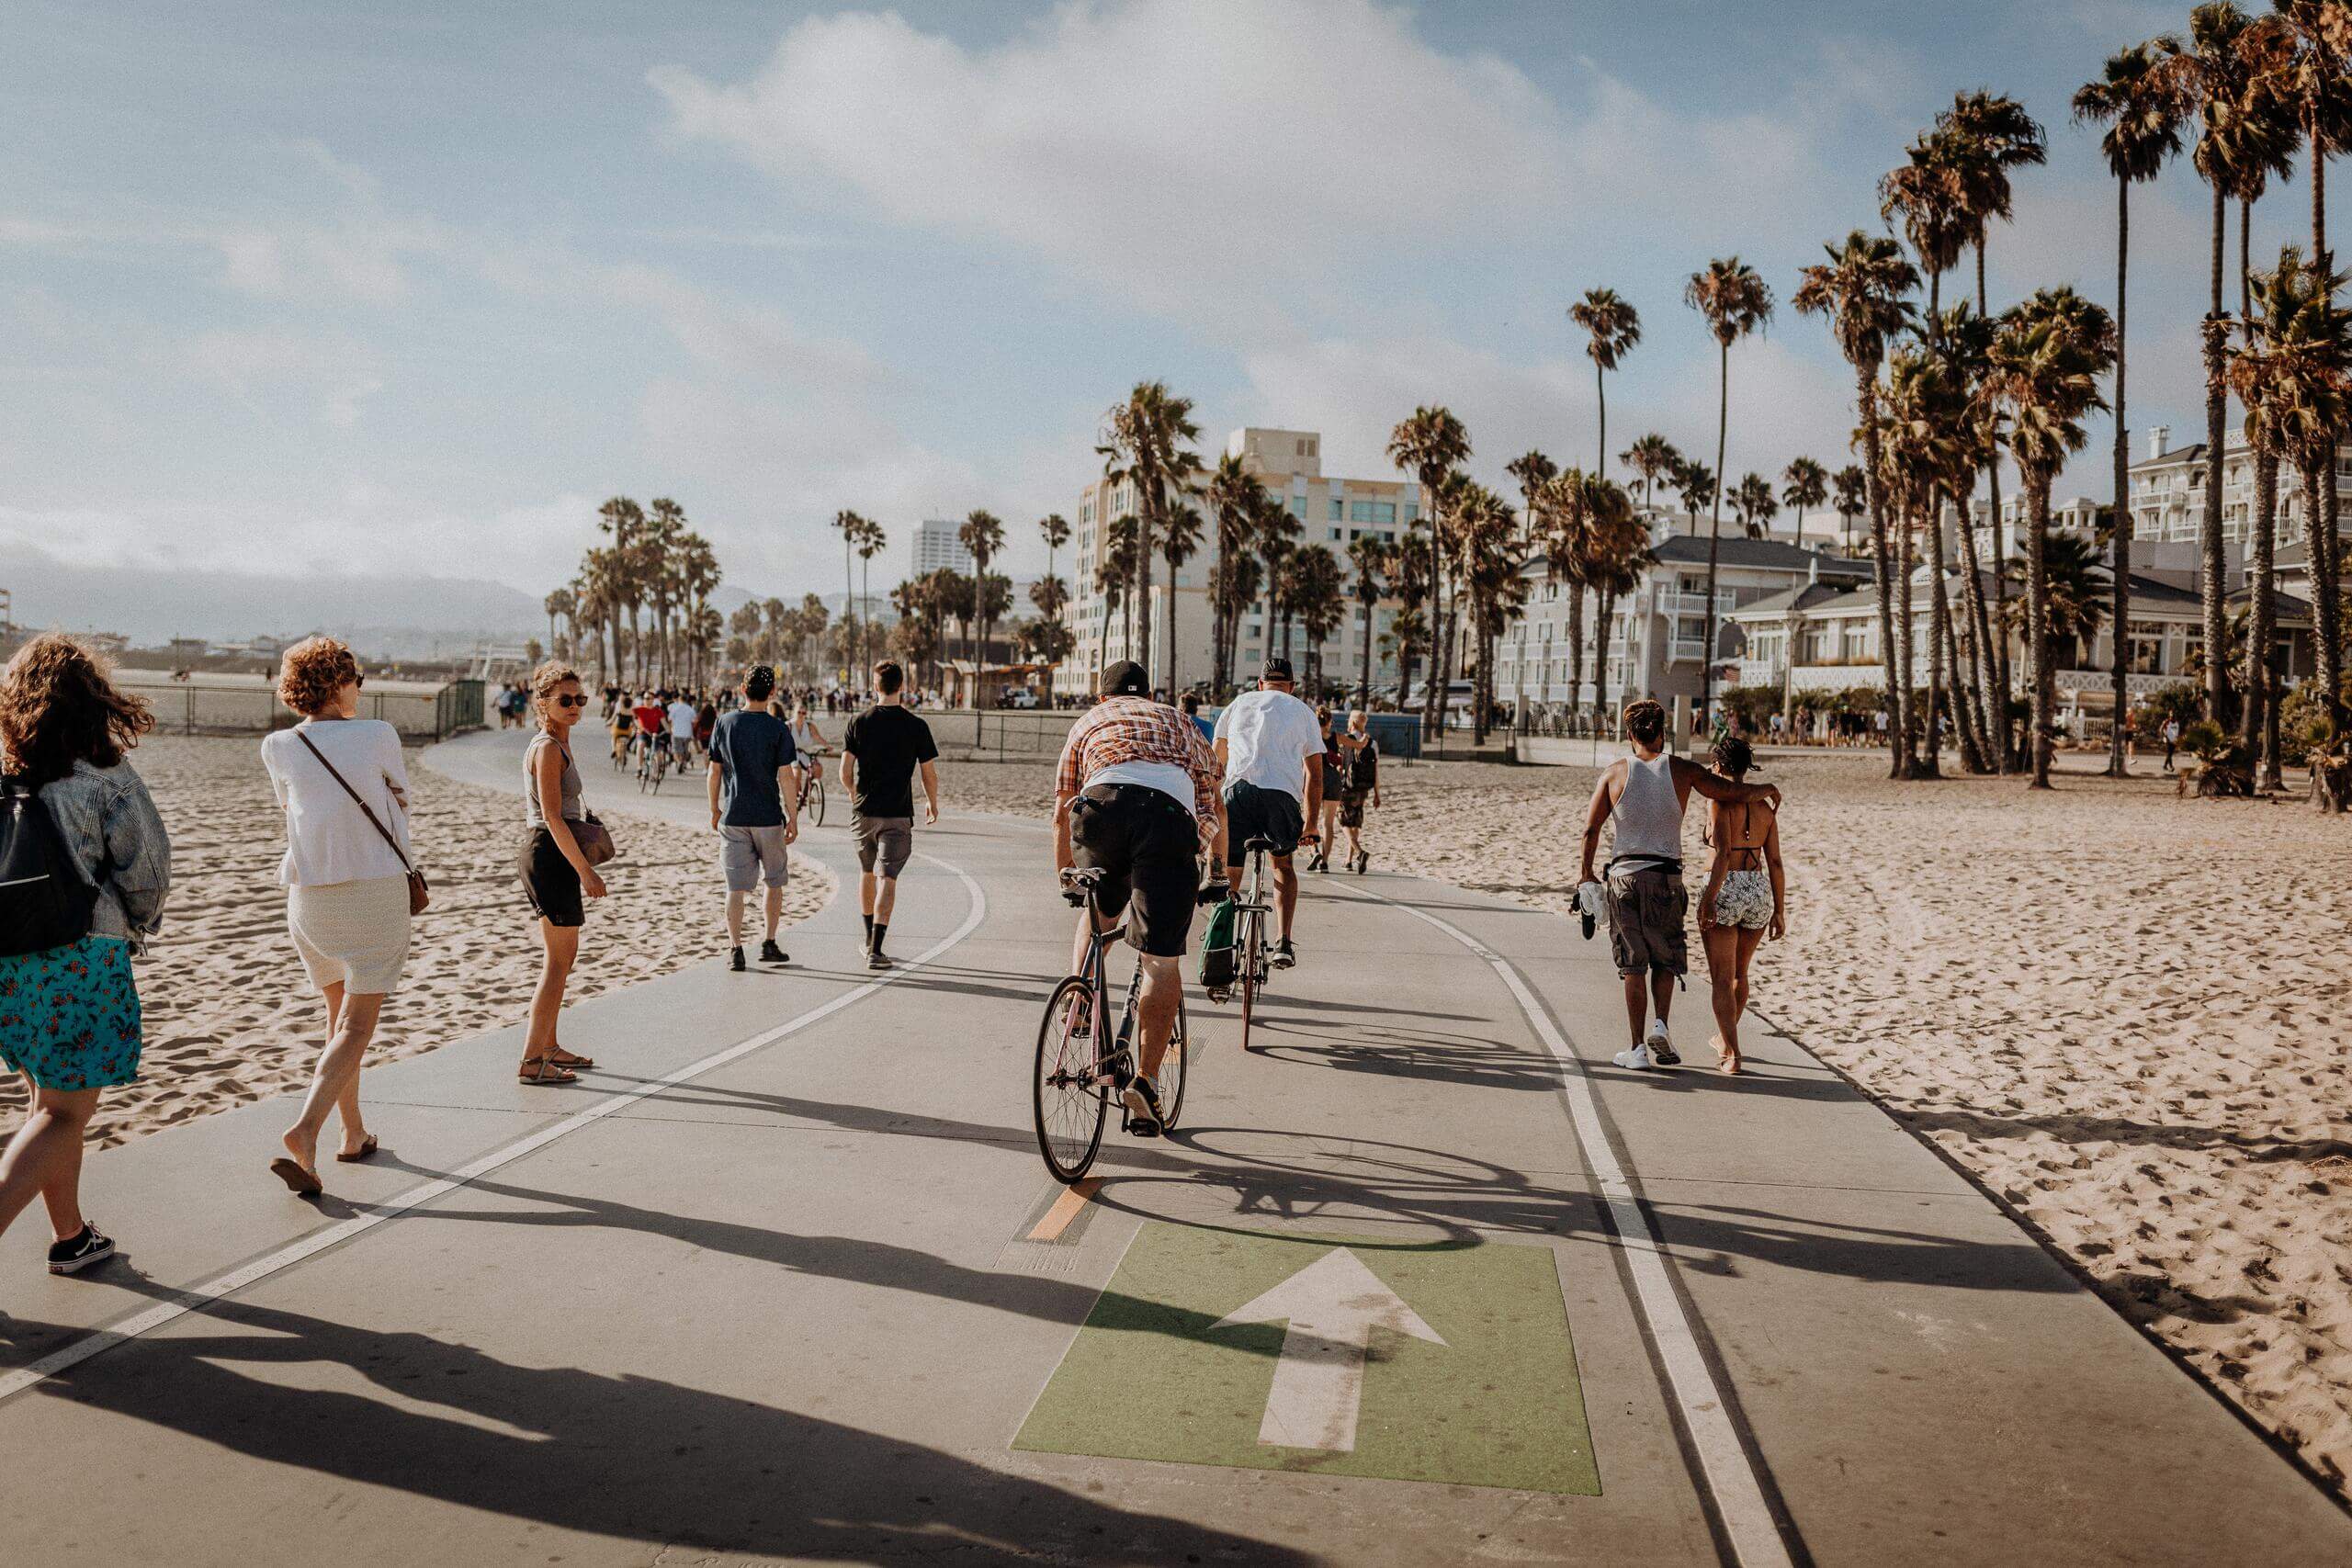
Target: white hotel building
<point>1332,513</point>
<point>936,546</point>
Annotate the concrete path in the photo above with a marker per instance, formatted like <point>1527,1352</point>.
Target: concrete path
<point>787,1281</point>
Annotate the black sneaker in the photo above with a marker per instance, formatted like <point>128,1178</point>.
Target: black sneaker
<point>1142,1096</point>
<point>1364,859</point>
<point>84,1250</point>
<point>877,959</point>
<point>1284,954</point>
<point>735,959</point>
<point>1663,1053</point>
<point>771,953</point>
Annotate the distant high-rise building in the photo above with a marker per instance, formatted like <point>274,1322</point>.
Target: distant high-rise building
<point>936,546</point>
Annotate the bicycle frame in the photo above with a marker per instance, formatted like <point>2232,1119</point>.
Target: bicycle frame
<point>1094,973</point>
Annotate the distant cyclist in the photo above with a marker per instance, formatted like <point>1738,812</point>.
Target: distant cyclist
<point>649,717</point>
<point>1136,797</point>
<point>1270,749</point>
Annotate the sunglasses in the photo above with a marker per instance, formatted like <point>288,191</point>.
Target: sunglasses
<point>571,701</point>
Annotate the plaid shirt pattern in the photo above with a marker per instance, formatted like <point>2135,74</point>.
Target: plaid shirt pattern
<point>1136,730</point>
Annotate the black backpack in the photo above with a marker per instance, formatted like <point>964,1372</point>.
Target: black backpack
<point>44,903</point>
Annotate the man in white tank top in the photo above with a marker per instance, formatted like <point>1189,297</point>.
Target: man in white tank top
<point>1646,793</point>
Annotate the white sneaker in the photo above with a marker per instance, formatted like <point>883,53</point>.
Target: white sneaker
<point>1661,1048</point>
<point>1637,1059</point>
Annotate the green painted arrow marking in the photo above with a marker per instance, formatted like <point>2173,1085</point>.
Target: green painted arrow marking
<point>1447,1361</point>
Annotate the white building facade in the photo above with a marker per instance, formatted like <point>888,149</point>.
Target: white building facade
<point>936,546</point>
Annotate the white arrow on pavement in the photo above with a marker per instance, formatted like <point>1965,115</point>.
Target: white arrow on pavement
<point>1332,1306</point>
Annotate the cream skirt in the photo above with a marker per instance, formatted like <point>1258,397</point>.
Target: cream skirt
<point>354,934</point>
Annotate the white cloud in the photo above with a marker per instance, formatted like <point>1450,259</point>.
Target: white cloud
<point>267,369</point>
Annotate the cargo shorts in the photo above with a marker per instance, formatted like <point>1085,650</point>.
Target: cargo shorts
<point>1648,905</point>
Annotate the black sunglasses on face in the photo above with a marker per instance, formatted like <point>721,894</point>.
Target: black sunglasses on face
<point>574,702</point>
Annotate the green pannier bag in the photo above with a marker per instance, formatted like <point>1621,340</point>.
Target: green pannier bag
<point>1216,947</point>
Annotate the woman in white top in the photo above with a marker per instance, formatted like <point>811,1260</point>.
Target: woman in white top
<point>346,883</point>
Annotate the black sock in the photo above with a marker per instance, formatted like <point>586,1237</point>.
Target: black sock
<point>879,932</point>
<point>869,930</point>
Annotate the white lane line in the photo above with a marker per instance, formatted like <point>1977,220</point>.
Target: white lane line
<point>1730,1475</point>
<point>196,1297</point>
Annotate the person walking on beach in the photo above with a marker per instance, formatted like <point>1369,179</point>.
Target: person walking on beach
<point>2172,740</point>
<point>1334,766</point>
<point>340,781</point>
<point>1136,797</point>
<point>71,807</point>
<point>1360,783</point>
<point>881,749</point>
<point>1271,751</point>
<point>1745,899</point>
<point>755,808</point>
<point>1646,796</point>
<point>557,875</point>
<point>681,714</point>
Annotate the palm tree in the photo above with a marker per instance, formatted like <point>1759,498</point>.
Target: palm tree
<point>1587,521</point>
<point>1616,547</point>
<point>622,522</point>
<point>1178,543</point>
<point>1147,441</point>
<point>1929,457</point>
<point>1531,469</point>
<point>1653,457</point>
<point>2294,380</point>
<point>1431,446</point>
<point>871,538</point>
<point>1276,534</point>
<point>1969,441</point>
<point>559,603</point>
<point>1487,566</point>
<point>852,528</point>
<point>2215,68</point>
<point>2311,68</point>
<point>1851,498</point>
<point>1055,530</point>
<point>1369,556</point>
<point>1734,298</point>
<point>2143,115</point>
<point>1861,292</point>
<point>1234,496</point>
<point>1611,327</point>
<point>983,534</point>
<point>1803,483</point>
<point>1115,573</point>
<point>1319,595</point>
<point>1752,501</point>
<point>2046,362</point>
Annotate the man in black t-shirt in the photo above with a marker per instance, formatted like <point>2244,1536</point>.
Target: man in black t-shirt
<point>881,749</point>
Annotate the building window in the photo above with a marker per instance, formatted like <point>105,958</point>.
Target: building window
<point>1384,511</point>
<point>1338,509</point>
<point>1412,512</point>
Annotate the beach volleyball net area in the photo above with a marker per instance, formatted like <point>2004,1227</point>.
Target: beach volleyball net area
<point>213,704</point>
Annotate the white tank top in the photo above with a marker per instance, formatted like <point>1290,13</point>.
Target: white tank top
<point>1649,814</point>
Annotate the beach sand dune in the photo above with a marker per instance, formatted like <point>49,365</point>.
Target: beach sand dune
<point>2128,1014</point>
<point>230,1016</point>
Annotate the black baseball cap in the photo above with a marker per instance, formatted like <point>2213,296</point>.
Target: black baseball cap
<point>1276,670</point>
<point>1124,678</point>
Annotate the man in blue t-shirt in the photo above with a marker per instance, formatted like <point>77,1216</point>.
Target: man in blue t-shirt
<point>754,782</point>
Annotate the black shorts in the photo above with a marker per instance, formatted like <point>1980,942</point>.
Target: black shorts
<point>1147,846</point>
<point>1274,815</point>
<point>1351,807</point>
<point>548,880</point>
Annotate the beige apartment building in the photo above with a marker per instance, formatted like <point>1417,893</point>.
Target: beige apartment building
<point>1331,511</point>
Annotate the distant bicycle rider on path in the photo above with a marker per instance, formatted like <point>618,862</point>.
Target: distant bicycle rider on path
<point>1647,902</point>
<point>1271,746</point>
<point>1136,797</point>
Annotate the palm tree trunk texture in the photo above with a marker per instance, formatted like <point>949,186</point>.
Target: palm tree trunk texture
<point>2209,532</point>
<point>1714,539</point>
<point>1874,488</point>
<point>2000,660</point>
<point>1601,662</point>
<point>1970,692</point>
<point>1576,649</point>
<point>1907,632</point>
<point>1944,657</point>
<point>2262,615</point>
<point>2037,611</point>
<point>2118,765</point>
<point>1171,629</point>
<point>2327,627</point>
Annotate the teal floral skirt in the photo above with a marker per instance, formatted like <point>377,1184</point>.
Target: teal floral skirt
<point>70,1016</point>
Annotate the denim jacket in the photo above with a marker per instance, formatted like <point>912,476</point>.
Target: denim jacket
<point>110,820</point>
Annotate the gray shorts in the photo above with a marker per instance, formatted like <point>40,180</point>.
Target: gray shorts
<point>1646,908</point>
<point>748,854</point>
<point>888,839</point>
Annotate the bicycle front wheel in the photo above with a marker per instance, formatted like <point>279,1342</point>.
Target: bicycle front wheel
<point>1252,942</point>
<point>817,802</point>
<point>1069,1105</point>
<point>1173,1071</point>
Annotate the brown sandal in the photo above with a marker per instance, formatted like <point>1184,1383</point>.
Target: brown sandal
<point>563,1058</point>
<point>300,1182</point>
<point>539,1070</point>
<point>366,1149</point>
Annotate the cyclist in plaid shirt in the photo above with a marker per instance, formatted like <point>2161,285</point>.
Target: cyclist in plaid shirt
<point>1136,796</point>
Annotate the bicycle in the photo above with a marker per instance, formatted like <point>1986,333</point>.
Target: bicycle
<point>812,789</point>
<point>1251,965</point>
<point>1078,1072</point>
<point>652,765</point>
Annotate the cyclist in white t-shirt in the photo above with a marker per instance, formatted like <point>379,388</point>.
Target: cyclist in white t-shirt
<point>1271,747</point>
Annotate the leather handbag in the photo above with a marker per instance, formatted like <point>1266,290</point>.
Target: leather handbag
<point>419,895</point>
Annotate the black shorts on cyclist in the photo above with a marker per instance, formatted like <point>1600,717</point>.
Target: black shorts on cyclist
<point>1145,843</point>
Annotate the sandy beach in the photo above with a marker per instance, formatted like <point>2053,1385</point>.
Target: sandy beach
<point>229,1016</point>
<point>2111,1005</point>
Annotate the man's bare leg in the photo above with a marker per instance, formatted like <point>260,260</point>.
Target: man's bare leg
<point>1163,988</point>
<point>1637,1006</point>
<point>1286,892</point>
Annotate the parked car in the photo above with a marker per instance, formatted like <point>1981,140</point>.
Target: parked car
<point>1017,697</point>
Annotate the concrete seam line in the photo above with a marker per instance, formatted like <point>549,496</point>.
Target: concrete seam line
<point>1729,1473</point>
<point>196,1297</point>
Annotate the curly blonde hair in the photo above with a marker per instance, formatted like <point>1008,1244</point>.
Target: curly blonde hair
<point>312,671</point>
<point>546,679</point>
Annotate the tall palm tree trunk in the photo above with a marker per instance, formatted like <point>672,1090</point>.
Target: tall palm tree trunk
<point>1874,488</point>
<point>2212,589</point>
<point>2037,611</point>
<point>1363,683</point>
<point>2118,766</point>
<point>2327,627</point>
<point>1171,629</point>
<point>1938,640</point>
<point>1608,607</point>
<point>2262,617</point>
<point>1968,693</point>
<point>1907,632</point>
<point>1714,539</point>
<point>1576,649</point>
<point>2000,545</point>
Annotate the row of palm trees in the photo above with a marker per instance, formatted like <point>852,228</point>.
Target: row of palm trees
<point>650,565</point>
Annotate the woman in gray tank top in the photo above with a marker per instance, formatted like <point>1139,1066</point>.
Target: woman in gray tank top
<point>557,877</point>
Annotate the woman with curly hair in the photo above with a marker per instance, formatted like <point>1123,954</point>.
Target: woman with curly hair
<point>557,877</point>
<point>69,1015</point>
<point>342,785</point>
<point>1746,894</point>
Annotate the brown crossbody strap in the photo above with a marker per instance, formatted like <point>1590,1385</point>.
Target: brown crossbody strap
<point>330,767</point>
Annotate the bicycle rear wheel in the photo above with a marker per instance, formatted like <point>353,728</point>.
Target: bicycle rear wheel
<point>1253,939</point>
<point>1070,1106</point>
<point>1174,1072</point>
<point>817,801</point>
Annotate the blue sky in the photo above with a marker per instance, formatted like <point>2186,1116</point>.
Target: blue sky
<point>335,289</point>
